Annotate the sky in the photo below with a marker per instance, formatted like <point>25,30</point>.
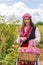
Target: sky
<point>20,7</point>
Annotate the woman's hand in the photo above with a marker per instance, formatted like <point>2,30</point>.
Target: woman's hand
<point>31,43</point>
<point>23,39</point>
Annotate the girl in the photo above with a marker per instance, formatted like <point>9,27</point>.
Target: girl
<point>29,33</point>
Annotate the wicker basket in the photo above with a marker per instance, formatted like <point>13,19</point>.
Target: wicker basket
<point>28,56</point>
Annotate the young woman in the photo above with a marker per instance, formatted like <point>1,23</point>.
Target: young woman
<point>29,33</point>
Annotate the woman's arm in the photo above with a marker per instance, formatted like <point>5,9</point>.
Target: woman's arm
<point>34,42</point>
<point>37,36</point>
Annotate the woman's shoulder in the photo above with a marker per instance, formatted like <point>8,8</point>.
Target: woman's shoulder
<point>35,27</point>
<point>37,31</point>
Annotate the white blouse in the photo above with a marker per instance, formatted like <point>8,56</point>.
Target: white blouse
<point>37,36</point>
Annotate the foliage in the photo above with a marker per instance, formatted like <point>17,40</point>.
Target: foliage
<point>8,35</point>
<point>39,23</point>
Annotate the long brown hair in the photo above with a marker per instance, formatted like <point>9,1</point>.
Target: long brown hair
<point>23,24</point>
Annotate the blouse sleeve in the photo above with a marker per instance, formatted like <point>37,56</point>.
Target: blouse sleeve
<point>37,36</point>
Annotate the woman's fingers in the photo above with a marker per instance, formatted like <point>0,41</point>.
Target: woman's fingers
<point>31,43</point>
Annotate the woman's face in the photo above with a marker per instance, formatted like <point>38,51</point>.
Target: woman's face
<point>27,21</point>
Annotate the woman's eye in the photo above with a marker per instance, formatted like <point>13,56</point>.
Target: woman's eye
<point>26,19</point>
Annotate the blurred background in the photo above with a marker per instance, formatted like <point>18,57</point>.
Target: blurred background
<point>11,12</point>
